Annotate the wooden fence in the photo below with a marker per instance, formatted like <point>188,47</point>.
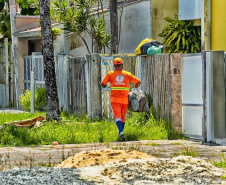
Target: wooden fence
<point>160,76</point>
<point>155,76</point>
<point>79,78</point>
<point>161,79</point>
<point>7,85</point>
<point>71,84</point>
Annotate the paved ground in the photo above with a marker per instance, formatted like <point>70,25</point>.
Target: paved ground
<point>8,110</point>
<point>49,155</point>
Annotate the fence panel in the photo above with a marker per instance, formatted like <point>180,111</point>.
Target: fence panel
<point>2,85</point>
<point>39,70</point>
<point>155,77</point>
<point>77,103</point>
<point>62,75</point>
<point>7,90</point>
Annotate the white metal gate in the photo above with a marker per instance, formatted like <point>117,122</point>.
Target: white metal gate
<point>33,62</point>
<point>192,95</point>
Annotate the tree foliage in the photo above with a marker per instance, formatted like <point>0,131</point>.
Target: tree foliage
<point>181,36</point>
<point>5,27</point>
<point>77,18</point>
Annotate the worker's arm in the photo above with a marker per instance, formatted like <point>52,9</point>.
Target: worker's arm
<point>103,85</point>
<point>137,84</point>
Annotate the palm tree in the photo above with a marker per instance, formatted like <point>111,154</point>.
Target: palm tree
<point>53,111</point>
<point>114,25</point>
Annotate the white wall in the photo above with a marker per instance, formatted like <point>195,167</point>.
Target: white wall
<point>135,26</point>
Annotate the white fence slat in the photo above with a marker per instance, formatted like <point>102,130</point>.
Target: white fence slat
<point>7,72</point>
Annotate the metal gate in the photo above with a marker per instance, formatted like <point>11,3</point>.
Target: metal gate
<point>192,95</point>
<point>33,62</point>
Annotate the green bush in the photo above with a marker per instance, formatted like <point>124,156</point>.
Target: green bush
<point>40,100</point>
<point>181,36</point>
<point>25,100</point>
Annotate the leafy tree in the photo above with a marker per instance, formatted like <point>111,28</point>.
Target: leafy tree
<point>5,27</point>
<point>181,36</point>
<point>28,7</point>
<point>53,111</point>
<point>77,18</point>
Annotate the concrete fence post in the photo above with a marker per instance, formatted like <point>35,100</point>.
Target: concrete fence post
<point>94,96</point>
<point>215,97</point>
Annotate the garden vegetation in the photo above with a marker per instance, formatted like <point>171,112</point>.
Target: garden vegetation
<point>75,130</point>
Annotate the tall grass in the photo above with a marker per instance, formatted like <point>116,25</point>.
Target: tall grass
<point>73,130</point>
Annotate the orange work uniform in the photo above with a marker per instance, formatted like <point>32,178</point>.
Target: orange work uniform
<point>119,80</point>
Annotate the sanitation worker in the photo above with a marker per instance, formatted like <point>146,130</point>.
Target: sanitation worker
<point>119,80</point>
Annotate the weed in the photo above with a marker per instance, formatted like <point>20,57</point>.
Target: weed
<point>134,147</point>
<point>176,143</point>
<point>189,151</point>
<point>49,160</point>
<point>152,144</point>
<point>31,159</point>
<point>119,147</point>
<point>221,163</point>
<point>154,153</point>
<point>175,154</point>
<point>63,156</point>
<point>8,158</point>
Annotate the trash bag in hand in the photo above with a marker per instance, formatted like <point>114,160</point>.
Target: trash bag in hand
<point>137,101</point>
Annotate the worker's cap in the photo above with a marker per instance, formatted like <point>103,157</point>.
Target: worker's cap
<point>117,61</point>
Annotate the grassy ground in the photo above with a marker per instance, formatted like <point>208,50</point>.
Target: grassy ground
<point>72,130</point>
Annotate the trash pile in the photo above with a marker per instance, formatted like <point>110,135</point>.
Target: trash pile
<point>149,47</point>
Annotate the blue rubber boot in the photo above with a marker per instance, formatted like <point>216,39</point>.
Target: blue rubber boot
<point>119,125</point>
<point>120,128</point>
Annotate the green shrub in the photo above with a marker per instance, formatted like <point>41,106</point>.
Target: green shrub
<point>40,100</point>
<point>25,100</point>
<point>181,36</point>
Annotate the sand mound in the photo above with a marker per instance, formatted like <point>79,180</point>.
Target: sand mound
<point>103,156</point>
<point>172,171</point>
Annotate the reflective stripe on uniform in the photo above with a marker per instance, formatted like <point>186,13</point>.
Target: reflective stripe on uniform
<point>120,88</point>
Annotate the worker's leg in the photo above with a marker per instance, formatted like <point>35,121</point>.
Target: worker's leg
<point>116,107</point>
<point>123,113</point>
<point>123,125</point>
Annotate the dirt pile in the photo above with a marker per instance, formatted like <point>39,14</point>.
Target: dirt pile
<point>178,170</point>
<point>104,156</point>
<point>108,166</point>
